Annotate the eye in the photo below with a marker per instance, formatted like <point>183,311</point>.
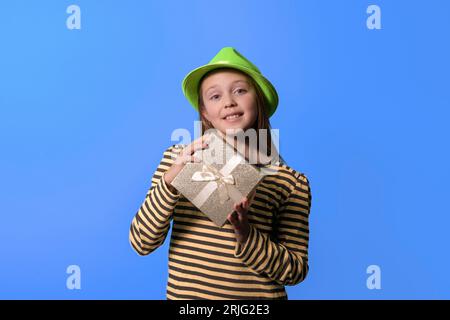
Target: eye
<point>240,90</point>
<point>214,97</point>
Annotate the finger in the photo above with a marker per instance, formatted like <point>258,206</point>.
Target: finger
<point>233,219</point>
<point>193,159</point>
<point>198,146</point>
<point>241,219</point>
<point>240,209</point>
<point>187,159</point>
<point>245,203</point>
<point>243,215</point>
<point>190,148</point>
<point>201,139</point>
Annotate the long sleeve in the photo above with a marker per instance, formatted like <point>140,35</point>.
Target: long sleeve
<point>283,259</point>
<point>151,223</point>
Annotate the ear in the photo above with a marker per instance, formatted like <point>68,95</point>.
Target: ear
<point>205,114</point>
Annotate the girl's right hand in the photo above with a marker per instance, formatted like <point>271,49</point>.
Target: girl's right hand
<point>185,156</point>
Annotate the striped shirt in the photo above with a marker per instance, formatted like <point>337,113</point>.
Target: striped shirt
<point>206,261</point>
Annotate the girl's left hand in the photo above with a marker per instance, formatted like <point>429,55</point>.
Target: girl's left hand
<point>239,220</point>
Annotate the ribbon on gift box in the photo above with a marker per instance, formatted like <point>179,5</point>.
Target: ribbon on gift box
<point>209,173</point>
<point>219,179</point>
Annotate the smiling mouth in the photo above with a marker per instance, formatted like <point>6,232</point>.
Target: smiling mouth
<point>233,116</point>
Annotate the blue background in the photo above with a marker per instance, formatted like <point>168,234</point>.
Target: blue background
<point>86,114</point>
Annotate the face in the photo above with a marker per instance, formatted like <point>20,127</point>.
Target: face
<point>230,100</point>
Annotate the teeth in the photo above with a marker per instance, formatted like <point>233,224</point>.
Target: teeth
<point>233,116</point>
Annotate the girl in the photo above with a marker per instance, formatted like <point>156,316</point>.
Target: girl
<point>264,244</point>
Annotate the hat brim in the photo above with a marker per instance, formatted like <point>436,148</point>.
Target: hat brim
<point>191,81</point>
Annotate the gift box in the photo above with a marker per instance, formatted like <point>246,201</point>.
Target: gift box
<point>222,178</point>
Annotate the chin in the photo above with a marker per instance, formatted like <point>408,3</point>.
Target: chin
<point>234,129</point>
<point>235,125</point>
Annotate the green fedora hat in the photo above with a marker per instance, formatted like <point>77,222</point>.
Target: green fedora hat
<point>229,57</point>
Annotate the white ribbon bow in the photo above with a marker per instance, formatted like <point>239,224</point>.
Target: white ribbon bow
<point>209,173</point>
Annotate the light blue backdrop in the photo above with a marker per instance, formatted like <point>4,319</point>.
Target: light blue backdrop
<point>86,114</point>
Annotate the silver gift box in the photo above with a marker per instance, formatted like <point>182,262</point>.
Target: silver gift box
<point>223,178</point>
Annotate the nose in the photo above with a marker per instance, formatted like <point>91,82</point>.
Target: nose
<point>229,101</point>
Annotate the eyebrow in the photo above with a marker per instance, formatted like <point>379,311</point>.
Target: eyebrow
<point>232,83</point>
